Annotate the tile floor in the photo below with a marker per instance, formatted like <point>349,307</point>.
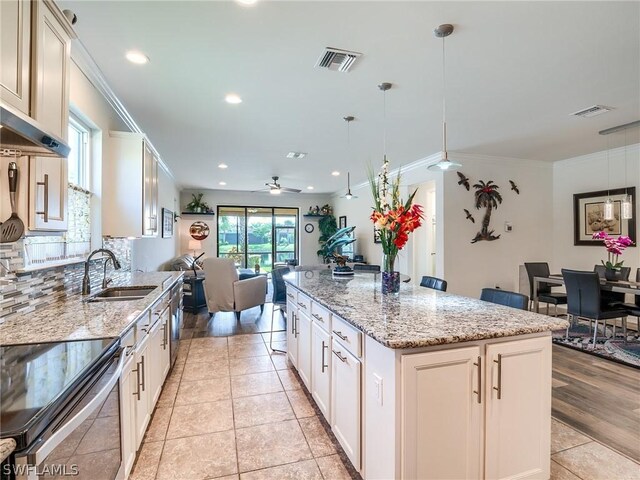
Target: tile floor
<point>214,419</point>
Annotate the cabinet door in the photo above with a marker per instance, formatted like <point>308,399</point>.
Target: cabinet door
<point>304,347</point>
<point>143,410</point>
<point>292,333</point>
<point>321,369</point>
<point>15,46</point>
<point>50,81</point>
<point>442,414</point>
<point>345,401</point>
<point>150,193</point>
<point>518,413</point>
<point>48,194</point>
<point>128,389</point>
<point>156,338</point>
<point>165,353</point>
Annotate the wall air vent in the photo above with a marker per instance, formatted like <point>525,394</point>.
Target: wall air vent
<point>336,59</point>
<point>296,155</point>
<point>591,111</point>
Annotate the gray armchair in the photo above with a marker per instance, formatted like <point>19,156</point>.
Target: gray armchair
<point>225,292</point>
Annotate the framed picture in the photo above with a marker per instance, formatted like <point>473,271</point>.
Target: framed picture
<point>588,215</point>
<point>167,223</point>
<point>342,222</point>
<point>376,235</point>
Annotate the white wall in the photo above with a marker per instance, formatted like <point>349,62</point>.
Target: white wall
<point>308,241</point>
<point>582,174</point>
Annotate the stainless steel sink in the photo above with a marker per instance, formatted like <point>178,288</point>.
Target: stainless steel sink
<point>121,294</point>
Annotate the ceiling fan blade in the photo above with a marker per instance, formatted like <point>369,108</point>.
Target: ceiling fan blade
<point>290,190</point>
<point>272,185</point>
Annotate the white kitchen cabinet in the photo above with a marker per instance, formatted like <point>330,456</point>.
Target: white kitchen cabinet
<point>303,326</point>
<point>321,368</point>
<point>442,414</point>
<point>292,332</point>
<point>518,422</point>
<point>52,67</point>
<point>48,194</point>
<point>345,401</point>
<point>158,355</point>
<point>15,49</point>
<point>128,389</point>
<point>130,187</point>
<point>143,408</point>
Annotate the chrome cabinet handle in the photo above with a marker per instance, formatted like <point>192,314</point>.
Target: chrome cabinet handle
<point>324,346</point>
<point>342,337</point>
<point>302,305</point>
<point>137,370</point>
<point>142,367</point>
<point>290,295</point>
<point>296,325</point>
<point>293,323</point>
<point>45,198</point>
<point>499,387</point>
<point>337,354</point>
<point>479,391</point>
<point>317,317</point>
<point>164,336</point>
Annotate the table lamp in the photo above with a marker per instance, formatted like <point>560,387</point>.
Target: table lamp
<point>195,245</point>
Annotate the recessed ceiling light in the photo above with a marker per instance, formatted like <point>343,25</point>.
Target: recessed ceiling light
<point>335,173</point>
<point>137,57</point>
<point>223,165</point>
<point>296,155</point>
<point>232,98</point>
<point>247,2</point>
<point>310,187</point>
<point>222,183</point>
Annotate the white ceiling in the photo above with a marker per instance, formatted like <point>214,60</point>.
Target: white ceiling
<point>515,71</point>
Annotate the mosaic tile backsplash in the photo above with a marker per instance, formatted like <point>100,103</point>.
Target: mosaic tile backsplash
<point>28,292</point>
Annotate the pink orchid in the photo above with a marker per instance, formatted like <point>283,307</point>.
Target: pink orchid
<point>614,246</point>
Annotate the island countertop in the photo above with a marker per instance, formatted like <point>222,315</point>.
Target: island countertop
<point>71,318</point>
<point>417,316</point>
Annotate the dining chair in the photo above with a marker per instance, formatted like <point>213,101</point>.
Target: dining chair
<point>612,298</point>
<point>584,301</point>
<point>545,295</point>
<point>279,299</point>
<point>504,297</point>
<point>633,309</point>
<point>434,283</point>
<point>363,267</point>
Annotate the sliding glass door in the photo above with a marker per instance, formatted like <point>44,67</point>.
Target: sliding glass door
<point>258,235</point>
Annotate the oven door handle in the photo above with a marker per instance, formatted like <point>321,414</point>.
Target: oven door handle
<point>43,450</point>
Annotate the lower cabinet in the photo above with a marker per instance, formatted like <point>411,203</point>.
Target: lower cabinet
<point>128,387</point>
<point>292,333</point>
<point>321,369</point>
<point>143,409</point>
<point>478,412</point>
<point>303,327</point>
<point>345,401</point>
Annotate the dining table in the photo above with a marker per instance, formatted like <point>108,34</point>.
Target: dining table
<point>621,286</point>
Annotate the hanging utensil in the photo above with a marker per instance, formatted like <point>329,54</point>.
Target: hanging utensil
<point>13,228</point>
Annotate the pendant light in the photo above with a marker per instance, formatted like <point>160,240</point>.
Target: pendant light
<point>444,164</point>
<point>608,204</point>
<point>626,207</point>
<point>349,195</point>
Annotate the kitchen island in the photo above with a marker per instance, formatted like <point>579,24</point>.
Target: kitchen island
<point>424,384</point>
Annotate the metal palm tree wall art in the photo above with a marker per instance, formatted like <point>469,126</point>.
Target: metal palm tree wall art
<point>487,197</point>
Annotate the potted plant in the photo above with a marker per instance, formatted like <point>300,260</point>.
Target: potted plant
<point>394,219</point>
<point>615,247</point>
<point>196,205</point>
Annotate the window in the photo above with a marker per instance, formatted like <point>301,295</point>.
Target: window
<point>78,161</point>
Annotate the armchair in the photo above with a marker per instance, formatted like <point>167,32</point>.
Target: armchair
<point>225,292</point>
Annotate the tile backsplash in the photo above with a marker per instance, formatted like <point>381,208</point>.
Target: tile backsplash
<point>23,293</point>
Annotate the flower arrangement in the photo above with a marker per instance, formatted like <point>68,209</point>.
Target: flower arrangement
<point>394,218</point>
<point>615,247</point>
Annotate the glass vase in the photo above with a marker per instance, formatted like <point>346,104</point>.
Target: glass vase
<point>390,278</point>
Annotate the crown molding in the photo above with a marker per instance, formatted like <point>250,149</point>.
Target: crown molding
<point>617,152</point>
<point>85,62</point>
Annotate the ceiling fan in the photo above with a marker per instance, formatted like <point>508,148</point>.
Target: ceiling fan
<point>276,189</point>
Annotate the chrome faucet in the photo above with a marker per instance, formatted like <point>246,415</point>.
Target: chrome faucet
<point>86,281</point>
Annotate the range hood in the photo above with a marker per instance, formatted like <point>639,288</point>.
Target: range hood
<point>22,133</point>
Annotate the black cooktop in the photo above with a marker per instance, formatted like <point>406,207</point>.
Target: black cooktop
<point>36,381</point>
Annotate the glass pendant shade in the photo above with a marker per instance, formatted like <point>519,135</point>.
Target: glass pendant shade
<point>626,208</point>
<point>608,210</point>
<point>444,165</point>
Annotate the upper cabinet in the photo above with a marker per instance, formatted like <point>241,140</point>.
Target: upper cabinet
<point>15,48</point>
<point>130,187</point>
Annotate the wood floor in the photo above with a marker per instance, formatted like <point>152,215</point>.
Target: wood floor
<point>598,397</point>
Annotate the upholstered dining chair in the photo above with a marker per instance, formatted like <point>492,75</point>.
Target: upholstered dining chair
<point>279,299</point>
<point>364,267</point>
<point>584,301</point>
<point>434,283</point>
<point>225,292</point>
<point>612,298</point>
<point>504,297</point>
<point>545,295</point>
<point>633,309</point>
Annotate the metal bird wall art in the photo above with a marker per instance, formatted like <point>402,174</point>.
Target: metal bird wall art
<point>469,215</point>
<point>464,181</point>
<point>514,187</point>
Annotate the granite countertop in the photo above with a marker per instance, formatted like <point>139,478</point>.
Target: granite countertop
<point>72,318</point>
<point>417,316</point>
<point>7,446</point>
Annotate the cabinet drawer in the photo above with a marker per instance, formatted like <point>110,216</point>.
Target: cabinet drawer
<point>292,295</point>
<point>349,336</point>
<point>321,315</point>
<point>143,326</point>
<point>304,303</point>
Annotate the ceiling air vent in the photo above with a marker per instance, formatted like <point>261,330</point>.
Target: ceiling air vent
<point>592,111</point>
<point>336,59</point>
<point>296,155</point>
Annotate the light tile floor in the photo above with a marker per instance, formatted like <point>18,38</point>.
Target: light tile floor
<point>229,410</point>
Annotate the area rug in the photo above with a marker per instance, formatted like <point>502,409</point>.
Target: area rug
<point>614,349</point>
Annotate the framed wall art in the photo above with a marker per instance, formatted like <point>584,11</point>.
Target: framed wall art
<point>588,215</point>
<point>376,235</point>
<point>342,222</point>
<point>167,223</point>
